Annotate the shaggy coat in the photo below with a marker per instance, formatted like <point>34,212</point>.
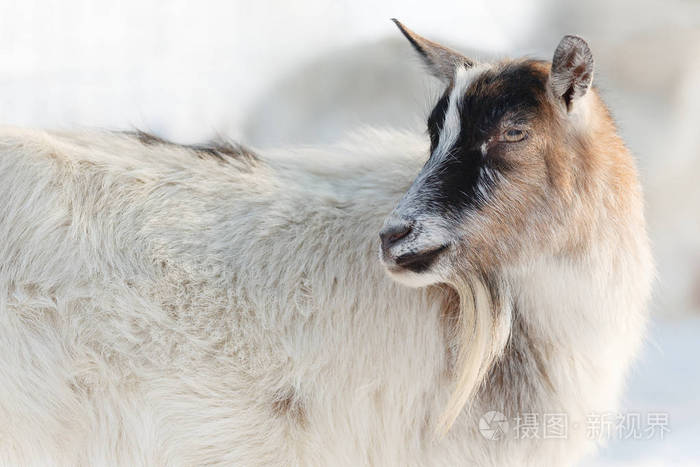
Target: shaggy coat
<point>190,305</point>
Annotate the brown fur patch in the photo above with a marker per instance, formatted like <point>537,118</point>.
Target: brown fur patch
<point>287,404</point>
<point>559,187</point>
<point>517,372</point>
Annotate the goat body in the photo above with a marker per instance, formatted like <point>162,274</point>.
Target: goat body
<point>190,305</point>
<point>157,307</point>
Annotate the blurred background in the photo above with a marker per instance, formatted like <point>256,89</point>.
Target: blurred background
<point>305,72</point>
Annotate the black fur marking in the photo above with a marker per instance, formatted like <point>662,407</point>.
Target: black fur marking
<point>437,119</point>
<point>515,91</point>
<point>222,151</point>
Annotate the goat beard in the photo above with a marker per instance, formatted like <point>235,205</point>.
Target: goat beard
<point>480,334</point>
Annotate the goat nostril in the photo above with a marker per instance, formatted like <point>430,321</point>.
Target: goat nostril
<point>394,233</point>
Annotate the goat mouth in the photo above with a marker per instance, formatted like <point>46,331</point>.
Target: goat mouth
<point>420,261</point>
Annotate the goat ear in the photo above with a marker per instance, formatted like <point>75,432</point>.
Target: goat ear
<point>572,70</point>
<point>441,61</point>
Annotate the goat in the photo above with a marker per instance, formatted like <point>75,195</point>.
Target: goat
<point>186,305</point>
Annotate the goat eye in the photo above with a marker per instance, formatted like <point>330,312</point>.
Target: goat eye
<point>513,135</point>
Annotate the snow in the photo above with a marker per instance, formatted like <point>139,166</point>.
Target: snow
<point>666,379</point>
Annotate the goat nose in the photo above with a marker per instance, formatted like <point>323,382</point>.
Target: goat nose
<point>391,234</point>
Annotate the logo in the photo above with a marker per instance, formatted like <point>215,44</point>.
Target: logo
<point>493,425</point>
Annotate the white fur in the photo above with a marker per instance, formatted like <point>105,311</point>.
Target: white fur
<point>161,309</point>
<point>581,114</point>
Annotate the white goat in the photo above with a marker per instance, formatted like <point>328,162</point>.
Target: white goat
<point>179,305</point>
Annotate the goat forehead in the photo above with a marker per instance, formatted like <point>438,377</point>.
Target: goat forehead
<point>517,87</point>
<point>451,118</point>
<point>456,177</point>
<point>479,98</point>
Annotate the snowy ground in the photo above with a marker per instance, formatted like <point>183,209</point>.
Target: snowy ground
<point>665,380</point>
